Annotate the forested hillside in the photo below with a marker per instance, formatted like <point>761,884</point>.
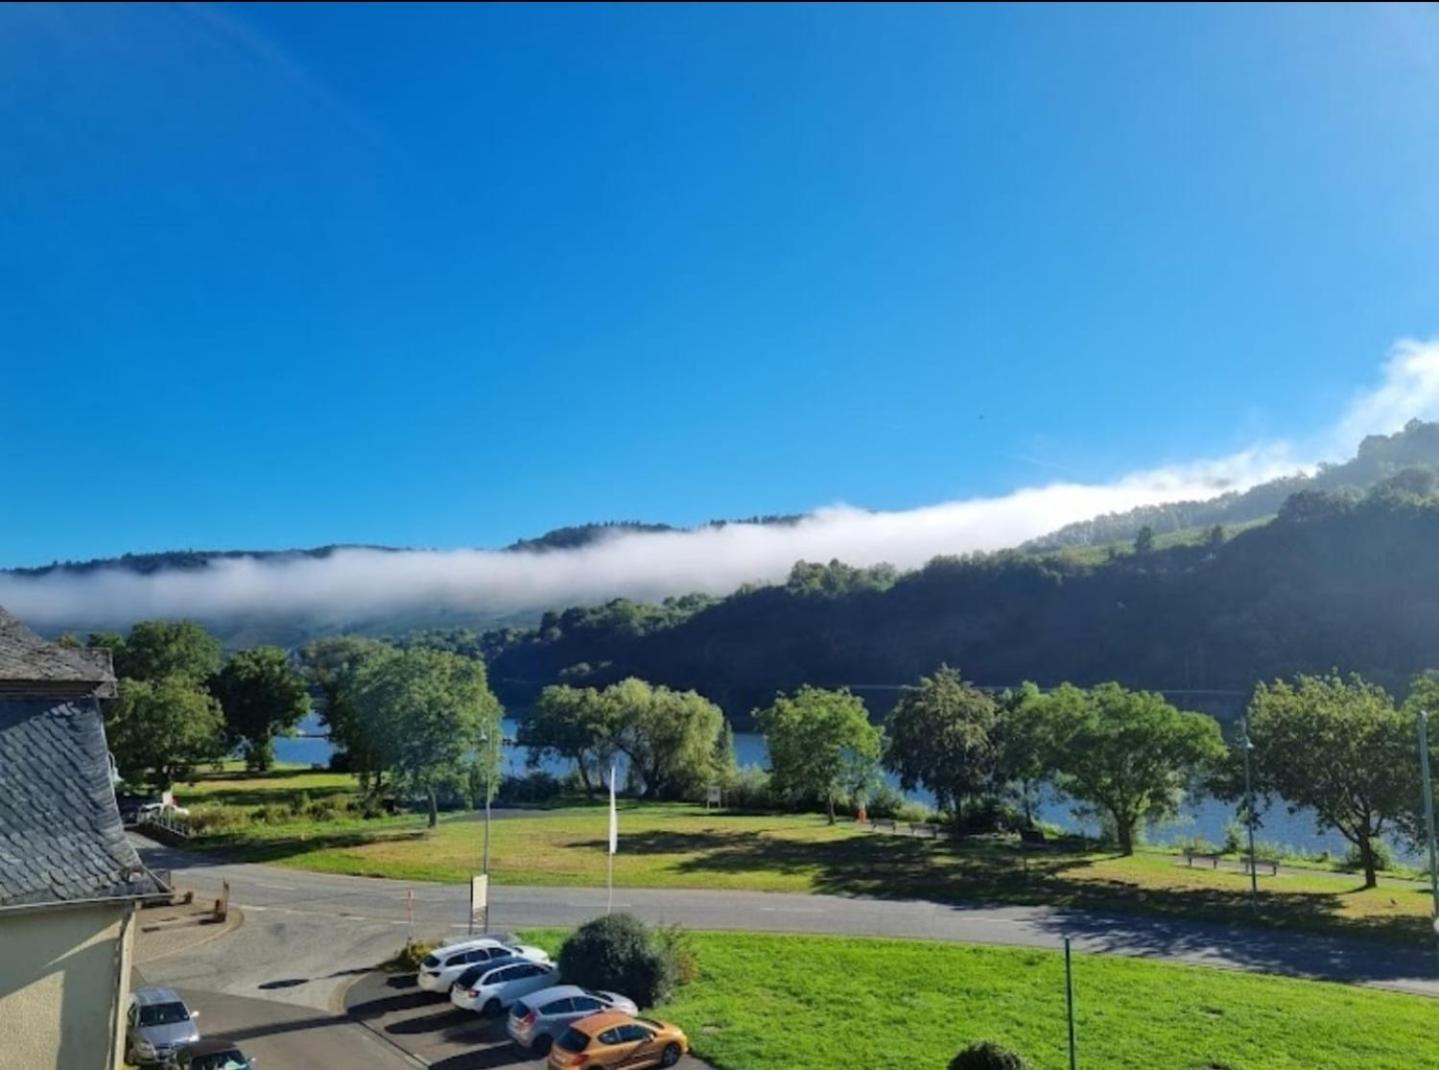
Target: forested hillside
<point>1379,457</point>
<point>1338,579</point>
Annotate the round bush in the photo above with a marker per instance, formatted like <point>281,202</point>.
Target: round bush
<point>987,1055</point>
<point>618,953</point>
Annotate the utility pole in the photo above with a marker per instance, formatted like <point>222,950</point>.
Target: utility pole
<point>1248,746</point>
<point>1429,813</point>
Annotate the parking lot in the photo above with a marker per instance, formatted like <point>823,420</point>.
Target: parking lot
<point>428,1027</point>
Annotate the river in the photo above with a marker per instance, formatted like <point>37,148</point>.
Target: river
<point>1198,817</point>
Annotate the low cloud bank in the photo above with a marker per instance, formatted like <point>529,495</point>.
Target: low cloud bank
<point>359,584</point>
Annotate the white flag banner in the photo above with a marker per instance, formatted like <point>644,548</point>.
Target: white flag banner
<point>614,816</point>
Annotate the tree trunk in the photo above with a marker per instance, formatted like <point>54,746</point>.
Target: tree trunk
<point>585,777</point>
<point>434,809</point>
<point>1124,829</point>
<point>1370,863</point>
<point>829,807</point>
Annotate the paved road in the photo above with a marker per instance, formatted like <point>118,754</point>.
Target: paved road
<point>306,929</point>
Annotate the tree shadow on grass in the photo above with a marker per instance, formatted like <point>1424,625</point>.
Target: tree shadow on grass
<point>985,872</point>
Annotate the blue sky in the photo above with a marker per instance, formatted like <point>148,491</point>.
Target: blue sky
<point>447,276</point>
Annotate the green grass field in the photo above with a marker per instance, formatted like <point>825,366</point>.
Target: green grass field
<point>676,845</point>
<point>802,1002</point>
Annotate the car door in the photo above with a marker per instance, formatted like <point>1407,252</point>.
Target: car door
<point>645,1049</point>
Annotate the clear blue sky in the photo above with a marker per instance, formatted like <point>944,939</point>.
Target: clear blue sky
<point>444,276</point>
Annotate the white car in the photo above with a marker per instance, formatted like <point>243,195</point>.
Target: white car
<point>443,966</point>
<point>490,989</point>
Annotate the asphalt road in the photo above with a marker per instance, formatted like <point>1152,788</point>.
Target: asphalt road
<point>305,930</point>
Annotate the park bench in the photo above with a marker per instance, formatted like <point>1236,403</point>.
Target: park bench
<point>1212,859</point>
<point>887,822</point>
<point>918,828</point>
<point>1273,866</point>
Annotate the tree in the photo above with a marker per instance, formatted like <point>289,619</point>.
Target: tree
<point>1129,754</point>
<point>424,711</point>
<point>987,1055</point>
<point>332,666</point>
<point>572,724</point>
<point>1144,540</point>
<point>261,695</point>
<point>667,735</point>
<point>160,648</point>
<point>726,764</point>
<point>820,743</point>
<point>619,953</point>
<point>941,737</point>
<point>1026,744</point>
<point>159,730</point>
<point>1338,746</point>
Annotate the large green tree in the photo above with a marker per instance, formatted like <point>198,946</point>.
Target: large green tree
<point>668,736</point>
<point>1025,734</point>
<point>426,713</point>
<point>158,648</point>
<point>332,666</point>
<point>573,724</point>
<point>262,695</point>
<point>821,744</point>
<point>1338,746</point>
<point>1128,754</point>
<point>941,737</point>
<point>160,730</point>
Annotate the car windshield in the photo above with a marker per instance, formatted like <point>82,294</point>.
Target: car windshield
<point>430,961</point>
<point>574,1040</point>
<point>221,1060</point>
<point>471,975</point>
<point>164,1014</point>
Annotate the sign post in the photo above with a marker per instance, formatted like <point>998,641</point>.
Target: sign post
<point>480,902</point>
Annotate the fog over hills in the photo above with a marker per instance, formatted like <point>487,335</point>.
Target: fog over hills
<point>289,594</point>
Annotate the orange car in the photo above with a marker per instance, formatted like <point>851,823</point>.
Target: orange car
<point>617,1041</point>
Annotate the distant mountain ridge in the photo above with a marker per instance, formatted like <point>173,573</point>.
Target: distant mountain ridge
<point>1379,457</point>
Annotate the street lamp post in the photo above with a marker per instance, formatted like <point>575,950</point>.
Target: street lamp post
<point>1248,746</point>
<point>489,761</point>
<point>1429,812</point>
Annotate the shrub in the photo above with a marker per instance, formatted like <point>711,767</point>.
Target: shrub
<point>1383,857</point>
<point>987,1055</point>
<point>324,810</point>
<point>912,811</point>
<point>216,819</point>
<point>271,814</point>
<point>536,787</point>
<point>674,941</point>
<point>300,803</point>
<point>620,954</point>
<point>1197,845</point>
<point>886,800</point>
<point>751,790</point>
<point>989,815</point>
<point>410,956</point>
<point>1235,837</point>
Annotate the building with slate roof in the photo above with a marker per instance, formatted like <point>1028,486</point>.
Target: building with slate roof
<point>69,879</point>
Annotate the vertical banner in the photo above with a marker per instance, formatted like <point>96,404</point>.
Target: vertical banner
<point>480,902</point>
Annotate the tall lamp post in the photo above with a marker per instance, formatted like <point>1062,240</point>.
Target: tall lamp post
<point>1429,812</point>
<point>489,761</point>
<point>1247,745</point>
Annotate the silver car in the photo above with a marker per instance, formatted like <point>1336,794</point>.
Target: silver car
<point>539,1018</point>
<point>157,1026</point>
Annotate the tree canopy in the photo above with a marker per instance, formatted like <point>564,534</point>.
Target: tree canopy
<point>160,730</point>
<point>821,745</point>
<point>261,694</point>
<point>155,649</point>
<point>942,738</point>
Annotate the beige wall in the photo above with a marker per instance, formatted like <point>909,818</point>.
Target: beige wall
<point>59,1006</point>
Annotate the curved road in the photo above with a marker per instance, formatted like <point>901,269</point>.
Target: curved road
<point>306,934</point>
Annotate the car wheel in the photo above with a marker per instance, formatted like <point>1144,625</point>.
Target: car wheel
<point>492,1009</point>
<point>671,1055</point>
<point>542,1045</point>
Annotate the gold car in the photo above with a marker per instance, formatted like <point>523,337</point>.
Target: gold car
<point>617,1041</point>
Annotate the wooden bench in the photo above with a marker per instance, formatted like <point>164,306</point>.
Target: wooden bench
<point>918,828</point>
<point>887,822</point>
<point>1273,866</point>
<point>1212,859</point>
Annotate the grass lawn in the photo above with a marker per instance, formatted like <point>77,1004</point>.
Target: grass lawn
<point>800,1002</point>
<point>676,845</point>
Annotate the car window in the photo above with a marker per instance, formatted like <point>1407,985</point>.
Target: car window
<point>470,976</point>
<point>588,1003</point>
<point>506,974</point>
<point>529,971</point>
<point>164,1014</point>
<point>610,1036</point>
<point>558,1006</point>
<point>574,1040</point>
<point>635,1032</point>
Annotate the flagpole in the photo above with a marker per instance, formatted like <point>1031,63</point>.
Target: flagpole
<point>613,845</point>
